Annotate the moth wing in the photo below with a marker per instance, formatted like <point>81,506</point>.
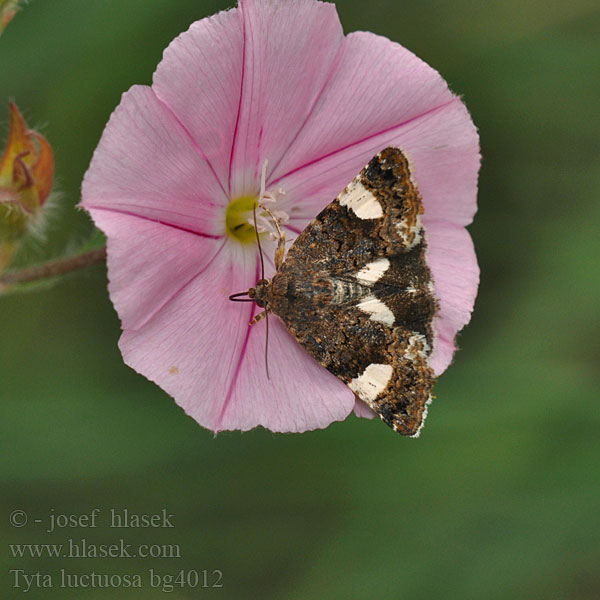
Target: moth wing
<point>384,365</point>
<point>377,214</point>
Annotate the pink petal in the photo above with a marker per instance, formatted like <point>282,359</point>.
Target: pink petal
<point>376,85</point>
<point>147,165</point>
<point>300,394</point>
<point>149,263</point>
<point>289,51</point>
<point>200,79</point>
<point>379,95</point>
<point>363,411</point>
<point>192,346</point>
<point>451,258</point>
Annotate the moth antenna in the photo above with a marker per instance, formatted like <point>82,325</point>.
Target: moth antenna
<point>236,297</point>
<point>267,345</point>
<point>260,252</point>
<point>262,276</point>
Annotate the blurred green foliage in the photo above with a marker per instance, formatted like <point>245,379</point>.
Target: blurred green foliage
<point>498,498</point>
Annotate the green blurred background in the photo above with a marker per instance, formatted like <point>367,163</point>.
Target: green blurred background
<point>500,496</point>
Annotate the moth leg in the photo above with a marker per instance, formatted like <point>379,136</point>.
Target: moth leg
<point>280,251</point>
<point>259,317</point>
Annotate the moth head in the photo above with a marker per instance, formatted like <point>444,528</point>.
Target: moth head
<point>260,292</point>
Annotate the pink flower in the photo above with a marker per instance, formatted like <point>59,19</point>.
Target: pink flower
<point>180,162</point>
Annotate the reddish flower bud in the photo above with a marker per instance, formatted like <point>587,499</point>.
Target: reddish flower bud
<point>26,173</point>
<point>8,9</point>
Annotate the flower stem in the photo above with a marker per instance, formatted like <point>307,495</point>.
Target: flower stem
<point>52,269</point>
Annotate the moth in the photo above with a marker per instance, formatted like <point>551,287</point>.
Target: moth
<point>356,292</point>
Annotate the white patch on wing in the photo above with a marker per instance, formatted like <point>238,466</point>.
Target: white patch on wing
<point>417,345</point>
<point>371,382</point>
<point>411,236</point>
<point>360,200</point>
<point>374,271</point>
<point>377,310</point>
<point>418,432</point>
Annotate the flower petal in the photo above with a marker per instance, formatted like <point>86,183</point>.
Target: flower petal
<point>363,411</point>
<point>451,258</point>
<point>147,165</point>
<point>192,346</point>
<point>149,263</point>
<point>380,94</point>
<point>300,394</point>
<point>289,50</point>
<point>200,79</point>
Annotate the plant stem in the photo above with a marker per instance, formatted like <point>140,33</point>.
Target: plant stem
<point>52,269</point>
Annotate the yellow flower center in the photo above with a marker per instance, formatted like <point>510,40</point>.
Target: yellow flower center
<point>239,212</point>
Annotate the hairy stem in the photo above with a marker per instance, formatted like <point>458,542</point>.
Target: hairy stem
<point>52,269</point>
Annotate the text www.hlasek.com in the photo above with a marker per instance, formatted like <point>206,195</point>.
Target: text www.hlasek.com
<point>81,548</point>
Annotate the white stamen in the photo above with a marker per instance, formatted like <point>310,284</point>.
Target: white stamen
<point>263,181</point>
<point>264,222</point>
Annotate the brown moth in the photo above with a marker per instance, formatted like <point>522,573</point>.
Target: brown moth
<point>357,294</point>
